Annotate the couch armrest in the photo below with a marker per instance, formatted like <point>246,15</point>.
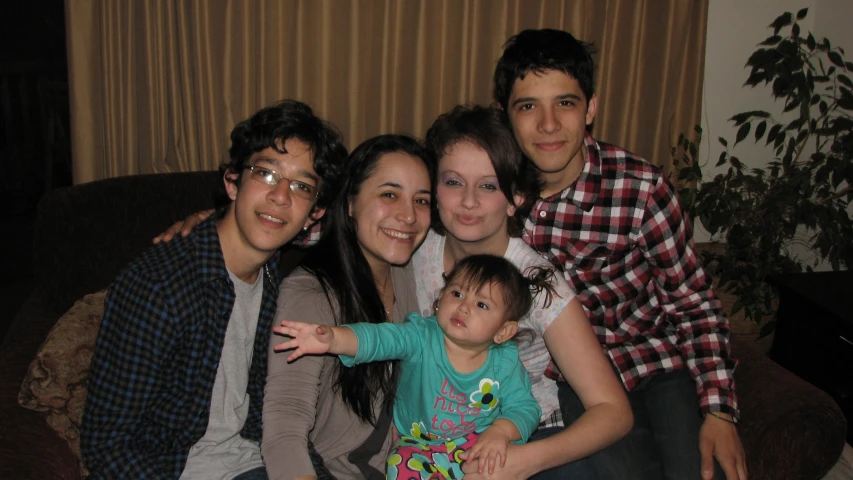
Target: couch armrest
<point>789,428</point>
<point>29,448</point>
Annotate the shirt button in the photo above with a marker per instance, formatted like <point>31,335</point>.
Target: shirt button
<point>542,214</point>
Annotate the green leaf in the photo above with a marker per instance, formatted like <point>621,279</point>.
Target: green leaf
<point>781,21</point>
<point>844,80</point>
<point>810,42</point>
<point>744,116</point>
<point>742,132</point>
<point>792,104</point>
<point>802,13</point>
<point>846,99</point>
<point>774,172</point>
<point>736,162</point>
<point>835,58</point>
<point>723,141</point>
<point>849,66</point>
<point>774,130</point>
<point>795,124</point>
<point>772,40</point>
<point>795,30</point>
<point>755,78</point>
<point>780,87</point>
<point>759,130</point>
<point>722,160</point>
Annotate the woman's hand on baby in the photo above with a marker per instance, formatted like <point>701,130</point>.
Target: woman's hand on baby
<point>490,448</point>
<point>306,339</point>
<point>183,227</point>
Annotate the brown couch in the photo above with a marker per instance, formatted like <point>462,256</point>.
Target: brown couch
<point>86,233</point>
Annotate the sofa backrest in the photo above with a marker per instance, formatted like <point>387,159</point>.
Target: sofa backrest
<point>86,233</point>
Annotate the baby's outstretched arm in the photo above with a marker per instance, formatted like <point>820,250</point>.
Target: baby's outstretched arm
<point>313,339</point>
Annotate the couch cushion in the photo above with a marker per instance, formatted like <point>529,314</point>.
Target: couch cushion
<point>56,380</point>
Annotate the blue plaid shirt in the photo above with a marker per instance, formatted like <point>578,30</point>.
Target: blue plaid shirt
<point>157,354</point>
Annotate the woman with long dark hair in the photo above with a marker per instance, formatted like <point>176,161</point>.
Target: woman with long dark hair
<point>356,273</point>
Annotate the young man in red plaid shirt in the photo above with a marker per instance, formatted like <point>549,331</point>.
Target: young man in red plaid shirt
<point>611,222</point>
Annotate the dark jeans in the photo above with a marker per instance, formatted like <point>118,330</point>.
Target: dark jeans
<point>259,473</point>
<point>664,442</point>
<point>581,469</point>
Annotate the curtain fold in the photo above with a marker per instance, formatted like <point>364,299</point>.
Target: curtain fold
<point>157,85</point>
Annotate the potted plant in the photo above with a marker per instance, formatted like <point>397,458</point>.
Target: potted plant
<point>801,197</point>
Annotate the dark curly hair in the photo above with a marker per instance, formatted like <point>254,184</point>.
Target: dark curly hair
<point>538,51</point>
<point>272,126</point>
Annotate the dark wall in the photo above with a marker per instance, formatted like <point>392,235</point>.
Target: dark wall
<point>34,133</point>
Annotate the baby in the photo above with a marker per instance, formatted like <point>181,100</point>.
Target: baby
<point>463,394</point>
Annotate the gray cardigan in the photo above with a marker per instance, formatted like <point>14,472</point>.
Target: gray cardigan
<point>300,404</point>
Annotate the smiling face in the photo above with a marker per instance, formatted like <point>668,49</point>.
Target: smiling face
<point>263,217</point>
<point>473,317</point>
<point>549,115</point>
<point>392,210</point>
<point>471,205</point>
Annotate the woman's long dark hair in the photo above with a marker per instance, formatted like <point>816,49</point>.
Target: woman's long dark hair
<point>339,264</point>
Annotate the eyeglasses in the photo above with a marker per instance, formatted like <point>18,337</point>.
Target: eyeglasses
<point>271,178</point>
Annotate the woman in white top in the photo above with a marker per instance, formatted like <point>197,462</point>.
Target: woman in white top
<point>484,190</point>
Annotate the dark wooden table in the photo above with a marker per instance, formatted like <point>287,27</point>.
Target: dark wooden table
<point>814,333</point>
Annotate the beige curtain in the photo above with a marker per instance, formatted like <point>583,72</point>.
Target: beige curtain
<point>157,85</point>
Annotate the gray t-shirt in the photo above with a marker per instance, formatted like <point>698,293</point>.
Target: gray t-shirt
<point>222,453</point>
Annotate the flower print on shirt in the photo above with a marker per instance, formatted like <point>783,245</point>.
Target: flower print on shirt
<point>486,398</point>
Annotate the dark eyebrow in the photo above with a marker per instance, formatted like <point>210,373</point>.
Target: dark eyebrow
<point>301,172</point>
<point>400,187</point>
<point>569,96</point>
<point>565,96</point>
<point>523,100</point>
<point>310,175</point>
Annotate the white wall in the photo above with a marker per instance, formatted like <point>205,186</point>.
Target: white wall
<point>735,27</point>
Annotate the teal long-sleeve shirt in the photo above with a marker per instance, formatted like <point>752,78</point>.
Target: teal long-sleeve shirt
<point>434,402</point>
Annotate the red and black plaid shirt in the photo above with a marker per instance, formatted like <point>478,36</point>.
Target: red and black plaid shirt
<point>619,237</point>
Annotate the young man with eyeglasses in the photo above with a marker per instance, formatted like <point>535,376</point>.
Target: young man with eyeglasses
<point>611,222</point>
<point>177,380</point>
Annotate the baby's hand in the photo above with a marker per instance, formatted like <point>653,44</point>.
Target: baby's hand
<point>490,446</point>
<point>307,338</point>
